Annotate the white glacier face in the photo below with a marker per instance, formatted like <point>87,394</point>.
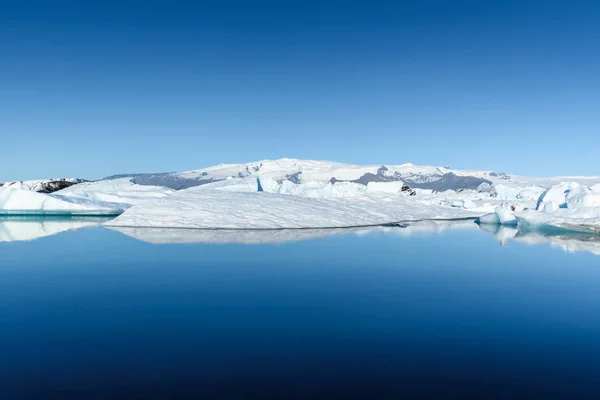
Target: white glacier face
<point>197,208</point>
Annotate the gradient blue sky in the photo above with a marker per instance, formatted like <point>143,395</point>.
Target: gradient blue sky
<point>92,88</point>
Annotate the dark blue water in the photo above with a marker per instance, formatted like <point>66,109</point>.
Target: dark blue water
<point>95,314</point>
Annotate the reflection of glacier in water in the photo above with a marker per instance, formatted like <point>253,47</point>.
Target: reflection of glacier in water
<point>570,242</point>
<point>31,228</point>
<point>261,236</point>
<point>14,229</point>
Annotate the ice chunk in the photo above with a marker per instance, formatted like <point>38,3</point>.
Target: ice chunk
<point>194,208</point>
<point>550,207</point>
<point>233,185</point>
<point>500,216</point>
<point>505,192</point>
<point>25,202</point>
<point>505,216</point>
<point>385,187</point>
<point>466,203</point>
<point>556,194</point>
<point>122,192</point>
<point>489,219</point>
<point>582,197</point>
<point>347,190</point>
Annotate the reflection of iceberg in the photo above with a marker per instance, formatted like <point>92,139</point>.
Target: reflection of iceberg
<point>568,241</point>
<point>501,233</point>
<point>571,243</point>
<point>431,226</point>
<point>260,236</point>
<point>29,228</point>
<point>256,236</point>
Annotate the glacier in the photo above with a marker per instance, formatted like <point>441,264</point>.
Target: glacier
<point>290,193</point>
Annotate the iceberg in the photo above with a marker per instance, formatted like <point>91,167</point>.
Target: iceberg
<point>25,202</point>
<point>500,216</point>
<point>198,208</point>
<point>123,192</point>
<point>92,198</point>
<point>566,206</point>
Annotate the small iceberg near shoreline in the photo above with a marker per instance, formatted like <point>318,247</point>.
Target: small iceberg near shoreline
<point>104,198</point>
<point>568,206</point>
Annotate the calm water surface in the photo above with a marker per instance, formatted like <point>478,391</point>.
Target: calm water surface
<point>388,313</point>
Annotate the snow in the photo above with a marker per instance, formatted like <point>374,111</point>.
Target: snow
<point>93,198</point>
<point>385,187</point>
<point>233,185</point>
<point>466,203</point>
<point>556,194</point>
<point>197,208</point>
<point>20,202</point>
<point>123,192</point>
<point>36,185</point>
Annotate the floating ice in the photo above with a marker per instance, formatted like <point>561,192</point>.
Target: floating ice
<point>197,208</point>
<point>93,198</point>
<point>25,202</point>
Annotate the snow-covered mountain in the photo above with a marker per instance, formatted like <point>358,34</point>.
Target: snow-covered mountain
<point>304,171</point>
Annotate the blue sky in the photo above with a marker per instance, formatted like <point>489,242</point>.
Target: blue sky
<point>91,89</point>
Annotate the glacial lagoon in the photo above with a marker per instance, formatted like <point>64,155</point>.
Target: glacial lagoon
<point>430,309</point>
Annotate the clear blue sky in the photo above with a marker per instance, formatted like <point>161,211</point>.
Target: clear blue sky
<point>92,88</point>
